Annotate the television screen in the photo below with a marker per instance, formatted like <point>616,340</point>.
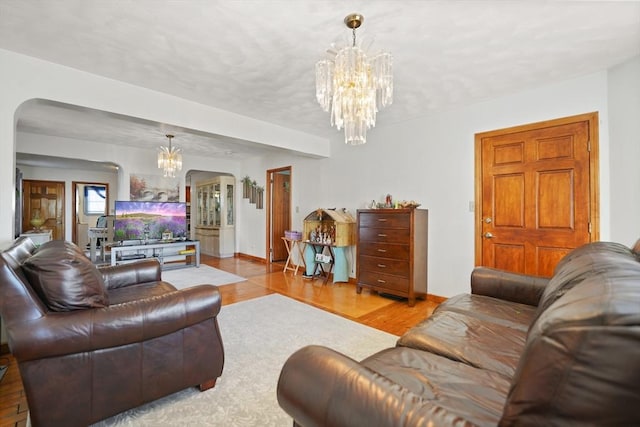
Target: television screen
<point>149,220</point>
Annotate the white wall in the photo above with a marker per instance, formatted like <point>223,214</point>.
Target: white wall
<point>624,124</point>
<point>23,78</point>
<point>431,160</point>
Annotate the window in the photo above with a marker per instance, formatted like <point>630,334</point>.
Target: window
<point>95,199</point>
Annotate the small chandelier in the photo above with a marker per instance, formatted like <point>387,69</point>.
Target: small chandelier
<point>352,87</point>
<point>169,159</point>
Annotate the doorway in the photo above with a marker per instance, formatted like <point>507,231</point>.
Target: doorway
<point>536,193</point>
<point>89,201</point>
<point>278,212</point>
<point>45,200</point>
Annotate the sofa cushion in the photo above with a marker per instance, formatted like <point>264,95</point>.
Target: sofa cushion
<point>475,396</point>
<point>467,339</point>
<point>139,291</point>
<point>494,310</point>
<point>64,278</point>
<point>580,361</point>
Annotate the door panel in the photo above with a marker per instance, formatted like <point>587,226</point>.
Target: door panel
<point>280,215</point>
<point>278,212</point>
<point>508,257</point>
<point>46,200</point>
<point>509,206</point>
<point>553,186</point>
<point>535,191</point>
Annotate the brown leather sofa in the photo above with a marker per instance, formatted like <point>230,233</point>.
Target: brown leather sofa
<point>91,343</point>
<point>517,351</point>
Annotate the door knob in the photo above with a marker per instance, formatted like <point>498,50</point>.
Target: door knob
<point>488,235</point>
<point>488,220</point>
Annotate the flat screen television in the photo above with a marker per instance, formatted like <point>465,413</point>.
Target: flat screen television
<point>149,220</point>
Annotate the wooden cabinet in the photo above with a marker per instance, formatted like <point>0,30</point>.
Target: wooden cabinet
<point>215,216</point>
<point>392,252</point>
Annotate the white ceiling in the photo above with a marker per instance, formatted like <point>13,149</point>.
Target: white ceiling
<point>256,57</point>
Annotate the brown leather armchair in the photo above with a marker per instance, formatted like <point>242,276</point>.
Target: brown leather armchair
<point>91,343</point>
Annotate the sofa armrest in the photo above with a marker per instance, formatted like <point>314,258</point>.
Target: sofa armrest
<point>118,276</point>
<point>61,333</point>
<point>516,287</point>
<point>320,387</point>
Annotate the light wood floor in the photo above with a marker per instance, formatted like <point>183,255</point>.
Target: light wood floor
<point>389,315</point>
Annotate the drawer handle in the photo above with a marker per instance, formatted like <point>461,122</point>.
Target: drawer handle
<point>382,235</point>
<point>382,266</point>
<point>382,281</point>
<point>382,219</point>
<point>382,250</point>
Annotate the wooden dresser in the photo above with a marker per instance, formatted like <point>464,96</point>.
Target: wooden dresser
<point>392,252</point>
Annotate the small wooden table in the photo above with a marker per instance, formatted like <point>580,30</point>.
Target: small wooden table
<point>319,269</point>
<point>291,244</point>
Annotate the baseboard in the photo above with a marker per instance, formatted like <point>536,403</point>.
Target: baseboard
<point>250,257</point>
<point>436,298</point>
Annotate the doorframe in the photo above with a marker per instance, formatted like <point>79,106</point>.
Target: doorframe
<point>63,212</point>
<point>269,202</point>
<point>74,213</point>
<point>594,171</point>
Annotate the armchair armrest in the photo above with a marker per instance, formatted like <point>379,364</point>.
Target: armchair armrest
<point>320,387</point>
<point>516,287</point>
<point>61,333</point>
<point>118,276</point>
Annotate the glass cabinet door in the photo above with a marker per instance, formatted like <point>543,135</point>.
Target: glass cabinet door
<point>202,208</point>
<point>230,204</point>
<point>217,205</point>
<point>211,213</point>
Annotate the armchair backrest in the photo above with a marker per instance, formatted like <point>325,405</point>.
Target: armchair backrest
<point>18,301</point>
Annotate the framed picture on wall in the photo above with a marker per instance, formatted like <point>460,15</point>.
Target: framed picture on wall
<point>154,188</point>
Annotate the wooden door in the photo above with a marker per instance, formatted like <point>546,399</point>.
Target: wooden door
<point>46,200</point>
<point>278,212</point>
<point>536,195</point>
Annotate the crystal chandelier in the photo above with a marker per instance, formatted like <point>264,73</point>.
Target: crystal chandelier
<point>352,87</point>
<point>169,159</point>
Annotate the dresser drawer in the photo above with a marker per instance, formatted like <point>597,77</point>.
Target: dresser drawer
<point>391,220</point>
<point>384,235</point>
<point>386,281</point>
<point>384,266</point>
<point>385,250</point>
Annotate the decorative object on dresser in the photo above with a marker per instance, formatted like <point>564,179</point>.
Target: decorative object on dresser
<point>392,252</point>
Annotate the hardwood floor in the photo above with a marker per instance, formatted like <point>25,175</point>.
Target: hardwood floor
<point>390,315</point>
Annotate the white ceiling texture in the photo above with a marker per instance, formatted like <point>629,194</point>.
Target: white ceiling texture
<point>257,57</point>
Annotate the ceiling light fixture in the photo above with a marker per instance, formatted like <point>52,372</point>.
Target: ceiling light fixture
<point>169,159</point>
<point>352,87</point>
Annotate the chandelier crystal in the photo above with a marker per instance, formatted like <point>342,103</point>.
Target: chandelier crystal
<point>352,86</point>
<point>169,159</point>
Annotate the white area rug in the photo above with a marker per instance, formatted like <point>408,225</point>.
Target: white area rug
<point>258,336</point>
<point>191,276</point>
